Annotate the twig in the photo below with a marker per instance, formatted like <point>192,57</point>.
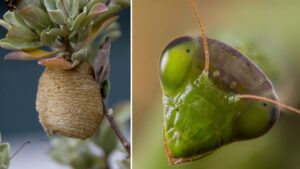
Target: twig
<point>114,126</point>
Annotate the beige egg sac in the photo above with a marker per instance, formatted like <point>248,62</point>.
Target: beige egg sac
<point>69,102</point>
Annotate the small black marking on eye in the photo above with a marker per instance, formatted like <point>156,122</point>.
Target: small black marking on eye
<point>187,50</point>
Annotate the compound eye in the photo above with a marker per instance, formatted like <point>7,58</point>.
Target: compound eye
<point>175,64</point>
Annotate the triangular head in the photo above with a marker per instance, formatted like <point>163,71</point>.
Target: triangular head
<point>202,111</point>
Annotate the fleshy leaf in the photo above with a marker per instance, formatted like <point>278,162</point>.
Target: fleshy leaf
<point>23,3</point>
<point>75,8</point>
<point>57,17</point>
<point>49,36</point>
<point>47,39</point>
<point>97,29</point>
<point>76,153</point>
<point>4,154</point>
<point>21,33</point>
<point>5,24</point>
<point>13,19</point>
<point>31,54</point>
<point>57,32</point>
<point>80,55</point>
<point>18,45</point>
<point>98,18</point>
<point>64,6</point>
<point>79,19</point>
<point>34,17</point>
<point>50,4</point>
<point>57,63</point>
<point>94,2</point>
<point>123,3</point>
<point>98,9</point>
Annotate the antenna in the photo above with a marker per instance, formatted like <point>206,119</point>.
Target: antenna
<point>19,149</point>
<point>204,39</point>
<point>267,100</point>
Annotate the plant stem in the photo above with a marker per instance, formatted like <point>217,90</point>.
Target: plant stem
<point>68,47</point>
<point>114,126</point>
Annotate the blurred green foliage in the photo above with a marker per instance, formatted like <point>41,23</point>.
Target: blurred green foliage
<point>4,154</point>
<point>94,153</point>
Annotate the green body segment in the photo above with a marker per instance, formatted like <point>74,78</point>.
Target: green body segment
<point>202,111</point>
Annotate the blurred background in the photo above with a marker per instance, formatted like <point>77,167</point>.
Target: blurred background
<point>18,86</point>
<point>266,31</point>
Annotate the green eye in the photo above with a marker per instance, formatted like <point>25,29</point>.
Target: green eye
<point>177,63</point>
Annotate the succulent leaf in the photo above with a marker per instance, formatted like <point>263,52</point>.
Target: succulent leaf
<point>35,17</point>
<point>74,8</point>
<point>97,29</point>
<point>21,33</point>
<point>123,3</point>
<point>30,54</point>
<point>79,19</point>
<point>70,25</point>
<point>13,19</point>
<point>57,17</point>
<point>94,2</point>
<point>50,4</point>
<point>80,55</point>
<point>5,24</point>
<point>18,45</point>
<point>4,154</point>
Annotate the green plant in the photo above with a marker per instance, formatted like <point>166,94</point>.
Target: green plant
<point>4,154</point>
<point>94,153</point>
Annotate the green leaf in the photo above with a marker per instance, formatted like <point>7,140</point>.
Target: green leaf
<point>21,33</point>
<point>94,2</point>
<point>80,55</point>
<point>5,24</point>
<point>75,8</point>
<point>82,3</point>
<point>13,19</point>
<point>18,45</point>
<point>123,3</point>
<point>31,54</point>
<point>57,17</point>
<point>4,154</point>
<point>124,164</point>
<point>98,28</point>
<point>34,17</point>
<point>23,3</point>
<point>76,153</point>
<point>79,20</point>
<point>47,39</point>
<point>96,11</point>
<point>57,32</point>
<point>64,6</point>
<point>49,36</point>
<point>50,4</point>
